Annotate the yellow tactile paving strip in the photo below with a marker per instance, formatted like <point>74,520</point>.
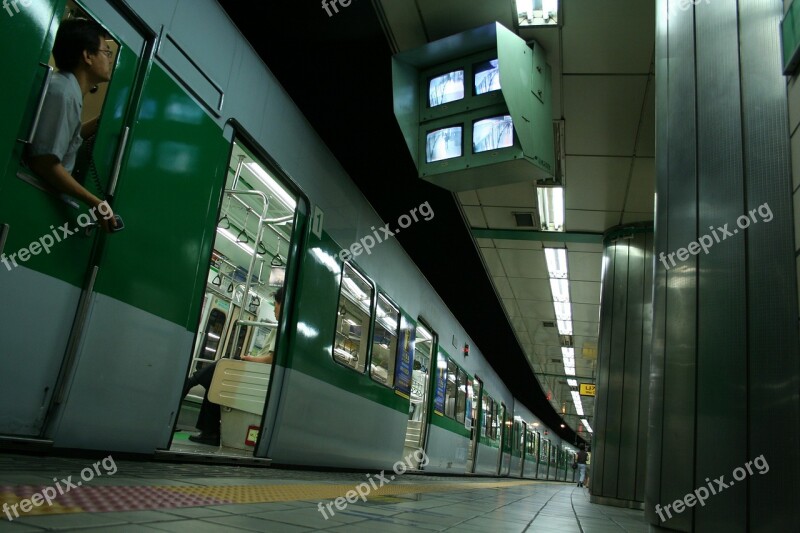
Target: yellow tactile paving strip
<point>285,493</point>
<point>141,498</point>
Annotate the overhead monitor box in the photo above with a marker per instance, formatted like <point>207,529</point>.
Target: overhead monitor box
<point>475,109</point>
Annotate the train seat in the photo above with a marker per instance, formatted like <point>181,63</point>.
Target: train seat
<point>240,387</point>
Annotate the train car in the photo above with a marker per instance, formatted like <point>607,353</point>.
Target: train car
<point>527,441</point>
<point>227,194</point>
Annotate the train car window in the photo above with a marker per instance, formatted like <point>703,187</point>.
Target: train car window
<point>353,318</point>
<point>384,342</point>
<point>213,329</point>
<point>461,396</point>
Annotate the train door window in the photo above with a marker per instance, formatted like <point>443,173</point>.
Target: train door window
<point>473,401</point>
<point>450,390</point>
<point>495,422</point>
<point>353,319</point>
<point>461,396</point>
<point>384,342</point>
<point>485,414</point>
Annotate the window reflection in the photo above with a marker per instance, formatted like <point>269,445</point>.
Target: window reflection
<point>352,320</point>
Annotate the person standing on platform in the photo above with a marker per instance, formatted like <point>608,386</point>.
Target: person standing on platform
<point>581,458</point>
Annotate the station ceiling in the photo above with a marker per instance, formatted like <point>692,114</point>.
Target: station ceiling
<point>337,69</point>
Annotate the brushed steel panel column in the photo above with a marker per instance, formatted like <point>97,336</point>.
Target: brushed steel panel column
<point>725,372</point>
<point>618,472</point>
<point>773,363</point>
<point>722,312</point>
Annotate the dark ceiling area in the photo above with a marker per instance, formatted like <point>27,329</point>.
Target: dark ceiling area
<point>337,69</point>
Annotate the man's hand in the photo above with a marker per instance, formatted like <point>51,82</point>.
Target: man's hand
<point>106,219</point>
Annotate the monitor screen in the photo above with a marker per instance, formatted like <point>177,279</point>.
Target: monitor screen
<point>444,143</point>
<point>446,88</point>
<point>492,133</point>
<point>487,77</point>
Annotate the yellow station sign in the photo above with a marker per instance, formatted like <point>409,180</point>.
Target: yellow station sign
<point>587,389</point>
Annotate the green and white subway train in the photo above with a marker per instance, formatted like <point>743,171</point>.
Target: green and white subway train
<point>226,193</point>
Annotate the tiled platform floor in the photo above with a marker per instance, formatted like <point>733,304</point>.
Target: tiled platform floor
<point>157,496</point>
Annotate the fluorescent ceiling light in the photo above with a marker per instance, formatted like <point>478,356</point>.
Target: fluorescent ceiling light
<point>569,370</point>
<point>586,425</point>
<point>272,185</point>
<point>560,290</point>
<point>551,208</point>
<point>563,310</point>
<point>355,290</point>
<point>564,327</point>
<point>556,262</point>
<point>567,352</point>
<point>572,382</point>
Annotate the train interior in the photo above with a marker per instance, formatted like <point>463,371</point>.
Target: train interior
<point>418,405</point>
<point>247,266</point>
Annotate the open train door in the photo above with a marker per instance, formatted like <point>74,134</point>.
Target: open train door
<point>474,391</point>
<point>419,409</point>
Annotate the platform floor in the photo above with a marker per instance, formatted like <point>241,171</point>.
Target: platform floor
<point>156,496</point>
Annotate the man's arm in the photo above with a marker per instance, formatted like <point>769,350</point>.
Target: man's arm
<point>89,128</point>
<point>258,359</point>
<point>50,169</point>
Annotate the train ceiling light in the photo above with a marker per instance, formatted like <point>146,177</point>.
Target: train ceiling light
<point>475,109</point>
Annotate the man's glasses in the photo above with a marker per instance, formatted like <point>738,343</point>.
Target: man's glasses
<point>108,53</point>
